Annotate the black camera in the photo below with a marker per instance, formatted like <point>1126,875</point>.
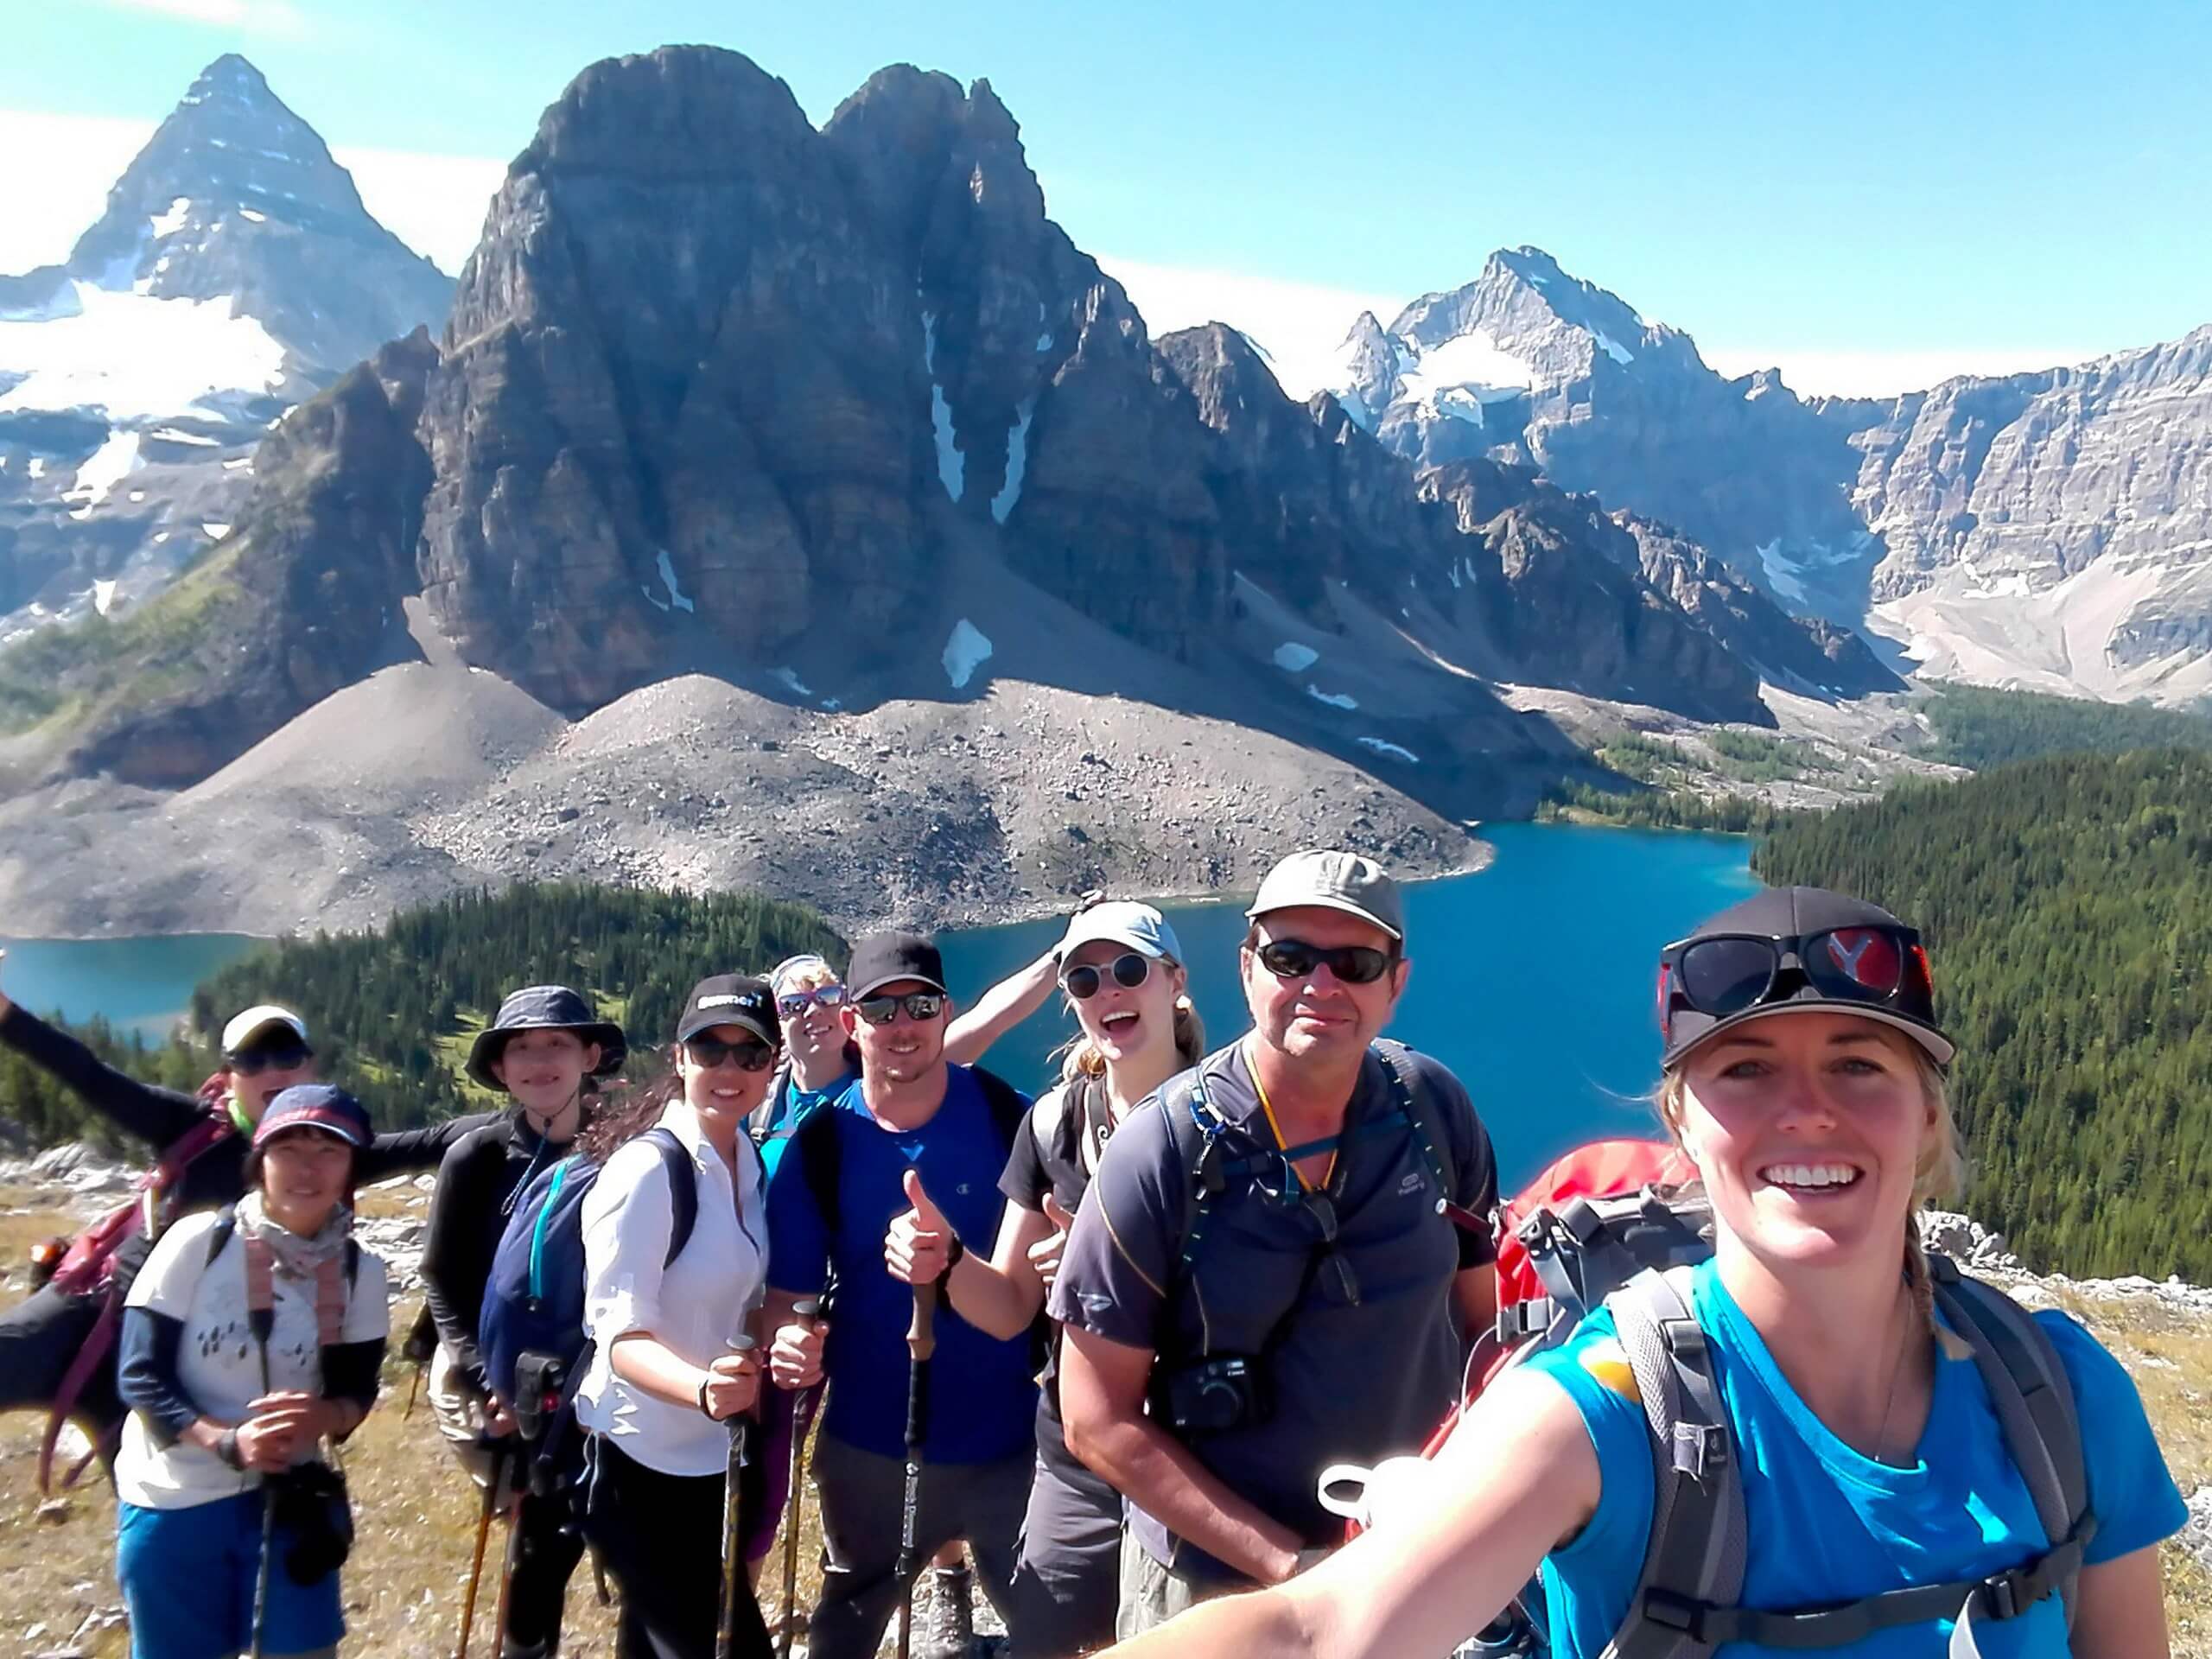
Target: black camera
<point>313,1507</point>
<point>1221,1392</point>
<point>539,1382</point>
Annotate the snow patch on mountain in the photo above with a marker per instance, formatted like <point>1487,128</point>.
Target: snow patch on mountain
<point>1295,658</point>
<point>1334,699</point>
<point>169,223</point>
<point>1392,750</point>
<point>964,652</point>
<point>951,465</point>
<point>107,467</point>
<point>136,356</point>
<point>675,596</point>
<point>1017,461</point>
<point>1474,361</point>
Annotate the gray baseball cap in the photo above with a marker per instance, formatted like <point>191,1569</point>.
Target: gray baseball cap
<point>1334,880</point>
<point>1120,922</point>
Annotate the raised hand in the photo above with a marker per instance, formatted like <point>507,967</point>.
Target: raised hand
<point>920,1241</point>
<point>1044,1254</point>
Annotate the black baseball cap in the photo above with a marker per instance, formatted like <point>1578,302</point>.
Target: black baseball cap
<point>730,1000</point>
<point>1868,963</point>
<point>886,958</point>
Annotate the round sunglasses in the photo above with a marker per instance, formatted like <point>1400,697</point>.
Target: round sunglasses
<point>708,1052</point>
<point>1355,964</point>
<point>1129,971</point>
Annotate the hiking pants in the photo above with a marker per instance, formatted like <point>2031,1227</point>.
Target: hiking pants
<point>1151,1595</point>
<point>660,1537</point>
<point>1066,1580</point>
<point>39,1338</point>
<point>546,1545</point>
<point>863,1498</point>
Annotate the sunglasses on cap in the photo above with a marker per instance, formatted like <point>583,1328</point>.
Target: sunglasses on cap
<point>1355,964</point>
<point>792,1004</point>
<point>919,1004</point>
<point>707,1052</point>
<point>1130,970</point>
<point>1724,974</point>
<point>282,1057</point>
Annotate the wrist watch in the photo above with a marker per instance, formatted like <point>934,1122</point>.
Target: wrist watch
<point>952,1254</point>
<point>226,1448</point>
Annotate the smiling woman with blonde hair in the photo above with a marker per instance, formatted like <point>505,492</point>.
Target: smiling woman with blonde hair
<point>1884,1510</point>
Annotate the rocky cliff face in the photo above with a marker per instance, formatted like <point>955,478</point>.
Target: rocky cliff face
<point>720,392</point>
<point>233,273</point>
<point>2044,528</point>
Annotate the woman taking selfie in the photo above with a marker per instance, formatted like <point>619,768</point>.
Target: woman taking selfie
<point>1873,1448</point>
<point>250,1337</point>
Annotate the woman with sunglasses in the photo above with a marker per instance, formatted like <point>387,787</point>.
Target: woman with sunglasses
<point>1121,969</point>
<point>665,1376</point>
<point>203,1142</point>
<point>1804,1075</point>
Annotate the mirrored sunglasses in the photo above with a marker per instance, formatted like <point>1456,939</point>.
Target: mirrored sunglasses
<point>882,1010</point>
<point>792,1004</point>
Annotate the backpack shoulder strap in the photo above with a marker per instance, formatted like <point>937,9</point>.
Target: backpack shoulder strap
<point>2034,1398</point>
<point>683,1189</point>
<point>819,1147</point>
<point>1413,1101</point>
<point>762,1115</point>
<point>1695,1559</point>
<point>226,1224</point>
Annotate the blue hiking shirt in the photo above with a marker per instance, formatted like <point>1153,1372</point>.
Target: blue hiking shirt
<point>983,1391</point>
<point>791,1109</point>
<point>1827,1524</point>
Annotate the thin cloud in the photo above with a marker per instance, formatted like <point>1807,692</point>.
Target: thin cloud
<point>1298,325</point>
<point>432,203</point>
<point>272,17</point>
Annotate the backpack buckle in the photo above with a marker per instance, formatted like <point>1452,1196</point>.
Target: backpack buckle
<point>1699,1449</point>
<point>2002,1596</point>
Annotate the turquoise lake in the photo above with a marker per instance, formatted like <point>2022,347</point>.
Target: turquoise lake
<point>1532,979</point>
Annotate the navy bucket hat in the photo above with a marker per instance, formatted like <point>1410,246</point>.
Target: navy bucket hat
<point>546,1007</point>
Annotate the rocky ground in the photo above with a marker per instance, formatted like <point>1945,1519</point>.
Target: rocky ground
<point>57,1597</point>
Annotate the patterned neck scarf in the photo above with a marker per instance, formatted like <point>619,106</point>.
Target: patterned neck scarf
<point>272,1251</point>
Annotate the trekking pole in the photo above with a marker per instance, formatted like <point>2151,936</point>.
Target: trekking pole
<point>921,1343</point>
<point>805,1313</point>
<point>262,1321</point>
<point>476,1564</point>
<point>732,1544</point>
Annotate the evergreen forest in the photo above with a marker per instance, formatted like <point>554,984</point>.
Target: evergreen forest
<point>391,1013</point>
<point>2066,903</point>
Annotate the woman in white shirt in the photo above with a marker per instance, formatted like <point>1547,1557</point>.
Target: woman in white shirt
<point>251,1336</point>
<point>663,1381</point>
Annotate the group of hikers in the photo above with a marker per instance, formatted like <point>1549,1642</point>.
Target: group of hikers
<point>1121,1347</point>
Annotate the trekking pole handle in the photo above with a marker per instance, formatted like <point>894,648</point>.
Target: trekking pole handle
<point>921,1334</point>
<point>805,1311</point>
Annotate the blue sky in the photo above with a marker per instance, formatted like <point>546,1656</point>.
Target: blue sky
<point>1870,195</point>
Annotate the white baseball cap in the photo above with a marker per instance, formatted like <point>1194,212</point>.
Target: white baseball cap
<point>244,1026</point>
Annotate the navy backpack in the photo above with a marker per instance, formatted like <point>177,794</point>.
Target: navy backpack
<point>534,1300</point>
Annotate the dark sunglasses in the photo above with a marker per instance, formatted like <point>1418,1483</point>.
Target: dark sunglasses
<point>1129,971</point>
<point>1355,964</point>
<point>792,1004</point>
<point>1331,1267</point>
<point>919,1004</point>
<point>255,1061</point>
<point>1727,973</point>
<point>707,1052</point>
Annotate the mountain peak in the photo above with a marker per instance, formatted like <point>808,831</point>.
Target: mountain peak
<point>231,76</point>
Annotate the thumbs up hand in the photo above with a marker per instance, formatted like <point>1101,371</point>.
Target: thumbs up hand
<point>918,1249</point>
<point>1044,1254</point>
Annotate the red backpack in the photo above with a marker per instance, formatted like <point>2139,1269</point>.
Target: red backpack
<point>87,1269</point>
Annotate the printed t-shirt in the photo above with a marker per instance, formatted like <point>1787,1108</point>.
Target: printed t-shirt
<point>219,1361</point>
<point>982,1400</point>
<point>1827,1524</point>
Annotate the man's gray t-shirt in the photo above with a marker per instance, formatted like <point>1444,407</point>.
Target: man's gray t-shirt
<point>1350,1381</point>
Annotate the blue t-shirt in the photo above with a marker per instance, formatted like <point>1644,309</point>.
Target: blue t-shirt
<point>790,1107</point>
<point>1827,1524</point>
<point>982,1393</point>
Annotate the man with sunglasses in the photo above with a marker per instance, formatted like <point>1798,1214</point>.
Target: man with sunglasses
<point>910,1118</point>
<point>1265,1277</point>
